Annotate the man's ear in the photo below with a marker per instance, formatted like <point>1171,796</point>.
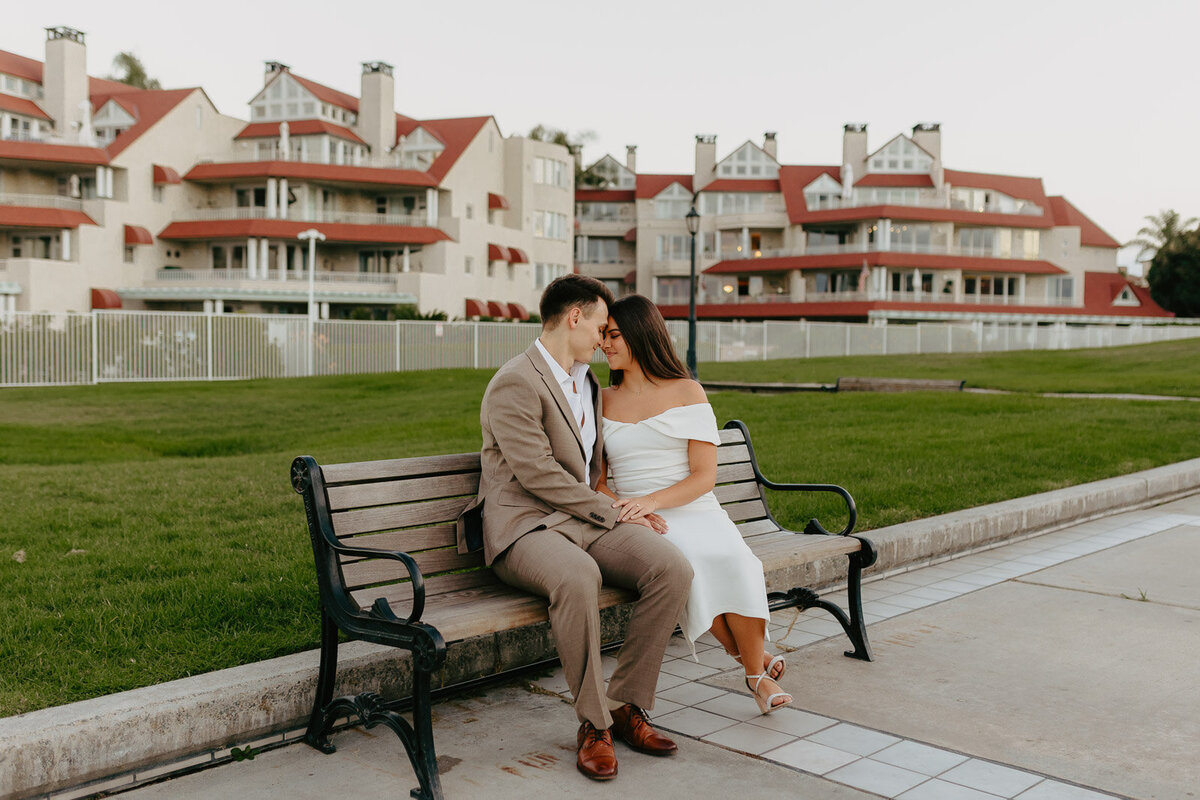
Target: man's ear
<point>573,316</point>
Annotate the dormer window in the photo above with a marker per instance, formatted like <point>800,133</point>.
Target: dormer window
<point>900,155</point>
<point>419,150</point>
<point>748,162</point>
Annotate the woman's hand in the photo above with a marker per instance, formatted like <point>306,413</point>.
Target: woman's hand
<point>633,508</point>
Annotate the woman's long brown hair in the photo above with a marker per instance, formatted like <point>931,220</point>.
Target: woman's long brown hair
<point>645,333</point>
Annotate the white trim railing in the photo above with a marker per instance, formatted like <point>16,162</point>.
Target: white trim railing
<point>40,201</point>
<point>238,275</point>
<point>300,215</point>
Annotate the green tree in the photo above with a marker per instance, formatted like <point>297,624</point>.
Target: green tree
<point>1164,227</point>
<point>128,68</point>
<point>574,143</point>
<point>1174,275</point>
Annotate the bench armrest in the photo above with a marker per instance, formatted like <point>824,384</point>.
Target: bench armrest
<point>813,526</point>
<point>382,608</point>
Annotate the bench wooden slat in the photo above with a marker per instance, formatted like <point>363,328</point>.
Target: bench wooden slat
<point>729,454</point>
<point>757,528</point>
<point>410,540</point>
<point>740,512</point>
<point>378,570</point>
<point>732,492</point>
<point>729,473</point>
<point>403,491</point>
<point>731,436</point>
<point>399,468</point>
<point>384,518</point>
<point>816,546</point>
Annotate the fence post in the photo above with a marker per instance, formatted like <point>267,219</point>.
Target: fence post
<point>847,340</point>
<point>807,339</point>
<point>764,340</point>
<point>717,341</point>
<point>398,323</point>
<point>475,345</point>
<point>95,349</point>
<point>208,336</point>
<point>919,350</point>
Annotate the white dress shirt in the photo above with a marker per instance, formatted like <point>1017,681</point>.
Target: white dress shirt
<point>578,390</point>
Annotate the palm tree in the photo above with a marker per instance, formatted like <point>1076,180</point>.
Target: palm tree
<point>1165,228</point>
<point>129,69</point>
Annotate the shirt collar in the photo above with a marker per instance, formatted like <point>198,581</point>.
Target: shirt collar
<point>564,379</point>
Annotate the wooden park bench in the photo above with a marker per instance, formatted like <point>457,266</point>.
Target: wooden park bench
<point>389,572</point>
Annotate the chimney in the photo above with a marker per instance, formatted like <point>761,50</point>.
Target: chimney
<point>631,158</point>
<point>928,136</point>
<point>65,81</point>
<point>854,149</point>
<point>769,145</point>
<point>706,160</point>
<point>377,107</point>
<point>272,69</point>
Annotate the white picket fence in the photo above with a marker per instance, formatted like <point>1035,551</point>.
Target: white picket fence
<point>111,346</point>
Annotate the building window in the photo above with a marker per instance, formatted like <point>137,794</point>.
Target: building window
<point>551,172</point>
<point>549,225</point>
<point>732,203</point>
<point>468,265</point>
<point>671,291</point>
<point>470,211</point>
<point>976,241</point>
<point>1060,289</point>
<point>128,254</point>
<point>600,251</point>
<point>251,198</point>
<point>674,248</point>
<point>544,273</point>
<point>672,203</point>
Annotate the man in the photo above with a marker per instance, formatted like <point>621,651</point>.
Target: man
<point>546,530</point>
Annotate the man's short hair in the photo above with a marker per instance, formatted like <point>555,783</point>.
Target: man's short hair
<point>568,291</point>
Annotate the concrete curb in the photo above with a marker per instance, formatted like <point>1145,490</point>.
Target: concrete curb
<point>129,738</point>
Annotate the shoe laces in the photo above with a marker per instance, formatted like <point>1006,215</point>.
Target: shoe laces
<point>592,734</point>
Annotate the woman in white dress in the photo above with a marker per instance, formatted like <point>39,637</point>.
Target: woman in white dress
<point>660,443</point>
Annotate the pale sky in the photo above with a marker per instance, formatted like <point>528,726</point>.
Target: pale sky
<point>1096,98</point>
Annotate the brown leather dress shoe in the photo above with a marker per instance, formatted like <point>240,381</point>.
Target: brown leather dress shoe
<point>597,758</point>
<point>632,726</point>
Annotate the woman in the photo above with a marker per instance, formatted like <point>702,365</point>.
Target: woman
<point>660,443</point>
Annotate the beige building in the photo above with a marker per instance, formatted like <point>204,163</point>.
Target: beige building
<point>112,196</point>
<point>889,234</point>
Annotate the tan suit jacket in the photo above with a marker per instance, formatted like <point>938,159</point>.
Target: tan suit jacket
<point>532,460</point>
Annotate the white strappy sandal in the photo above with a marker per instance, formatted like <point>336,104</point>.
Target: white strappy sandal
<point>766,706</point>
<point>770,668</point>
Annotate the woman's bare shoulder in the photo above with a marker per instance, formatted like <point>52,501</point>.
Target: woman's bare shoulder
<point>686,392</point>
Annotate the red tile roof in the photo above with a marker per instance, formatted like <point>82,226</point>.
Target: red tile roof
<point>1014,186</point>
<point>31,70</point>
<point>883,259</point>
<point>19,105</point>
<point>300,127</point>
<point>56,153</point>
<point>455,134</point>
<point>287,229</point>
<point>1100,289</point>
<point>907,179</point>
<point>296,169</point>
<point>742,185</point>
<point>793,179</point>
<point>650,185</point>
<point>147,106</point>
<point>327,95</point>
<point>30,217</point>
<point>605,195</point>
<point>1090,234</point>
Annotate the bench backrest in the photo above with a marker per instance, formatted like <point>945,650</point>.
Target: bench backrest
<point>411,504</point>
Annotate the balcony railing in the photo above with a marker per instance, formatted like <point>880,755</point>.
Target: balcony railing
<point>272,276</point>
<point>295,214</point>
<point>859,200</point>
<point>903,247</point>
<point>41,201</point>
<point>239,156</point>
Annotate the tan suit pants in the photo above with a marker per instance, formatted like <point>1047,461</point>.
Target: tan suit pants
<point>567,565</point>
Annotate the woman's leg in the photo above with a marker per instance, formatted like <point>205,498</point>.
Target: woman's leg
<point>749,634</point>
<point>720,631</point>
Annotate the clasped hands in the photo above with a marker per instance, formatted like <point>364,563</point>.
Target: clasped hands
<point>641,510</point>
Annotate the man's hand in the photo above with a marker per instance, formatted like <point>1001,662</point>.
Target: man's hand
<point>652,521</point>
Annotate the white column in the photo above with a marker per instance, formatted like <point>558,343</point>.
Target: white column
<point>324,149</point>
<point>406,263</point>
<point>272,195</point>
<point>264,262</point>
<point>218,306</point>
<point>283,198</point>
<point>208,306</point>
<point>228,256</point>
<point>431,207</point>
<point>916,284</point>
<point>281,260</point>
<point>717,244</point>
<point>745,242</point>
<point>884,239</point>
<point>252,258</point>
<point>65,249</point>
<point>100,182</point>
<point>324,310</point>
<point>5,126</point>
<point>958,286</point>
<point>1021,289</point>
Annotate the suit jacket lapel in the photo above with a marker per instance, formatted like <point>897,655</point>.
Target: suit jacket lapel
<point>543,369</point>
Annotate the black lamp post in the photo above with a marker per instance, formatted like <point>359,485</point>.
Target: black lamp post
<point>693,225</point>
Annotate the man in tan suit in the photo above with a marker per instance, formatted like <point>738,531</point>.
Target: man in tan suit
<point>545,528</point>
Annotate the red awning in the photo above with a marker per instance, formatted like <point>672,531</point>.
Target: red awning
<point>518,312</point>
<point>631,277</point>
<point>165,175</point>
<point>517,256</point>
<point>497,310</point>
<point>498,252</point>
<point>497,201</point>
<point>105,298</point>
<point>631,235</point>
<point>136,234</point>
<point>476,308</point>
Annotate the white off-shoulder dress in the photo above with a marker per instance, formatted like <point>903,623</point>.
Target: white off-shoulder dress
<point>652,454</point>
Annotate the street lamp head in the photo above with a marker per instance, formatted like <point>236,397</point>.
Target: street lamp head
<point>311,234</point>
<point>693,221</point>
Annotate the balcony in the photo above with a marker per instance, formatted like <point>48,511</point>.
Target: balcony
<point>241,156</point>
<point>300,215</point>
<point>860,200</point>
<point>228,276</point>
<point>899,247</point>
<point>41,201</point>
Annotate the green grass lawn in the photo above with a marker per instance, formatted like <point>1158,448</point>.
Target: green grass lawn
<point>161,537</point>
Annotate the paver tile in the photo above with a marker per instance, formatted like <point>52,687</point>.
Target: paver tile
<point>810,756</point>
<point>854,739</point>
<point>919,757</point>
<point>989,777</point>
<point>748,738</point>
<point>877,777</point>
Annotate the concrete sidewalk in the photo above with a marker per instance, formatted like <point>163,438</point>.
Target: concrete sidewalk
<point>1061,666</point>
